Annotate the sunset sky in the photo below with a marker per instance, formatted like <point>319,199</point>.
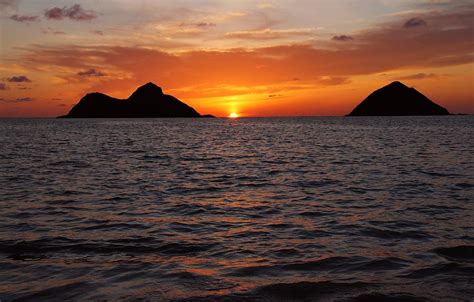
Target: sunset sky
<point>255,58</point>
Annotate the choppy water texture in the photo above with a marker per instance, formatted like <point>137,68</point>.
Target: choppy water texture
<point>302,209</point>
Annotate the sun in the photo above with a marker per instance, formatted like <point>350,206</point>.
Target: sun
<point>233,115</point>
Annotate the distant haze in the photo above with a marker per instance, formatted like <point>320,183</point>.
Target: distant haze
<point>252,58</point>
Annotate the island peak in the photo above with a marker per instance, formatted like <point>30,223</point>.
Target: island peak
<point>147,92</point>
<point>397,84</point>
<point>149,85</point>
<point>397,99</point>
<point>147,101</point>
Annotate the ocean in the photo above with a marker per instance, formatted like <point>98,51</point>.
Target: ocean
<point>252,209</point>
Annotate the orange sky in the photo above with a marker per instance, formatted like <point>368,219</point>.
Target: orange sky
<point>256,58</point>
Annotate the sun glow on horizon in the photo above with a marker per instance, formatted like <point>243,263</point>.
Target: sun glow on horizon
<point>233,115</point>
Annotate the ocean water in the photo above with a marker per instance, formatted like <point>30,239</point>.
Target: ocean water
<point>270,209</point>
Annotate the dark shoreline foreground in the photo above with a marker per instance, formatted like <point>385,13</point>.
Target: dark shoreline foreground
<point>255,209</point>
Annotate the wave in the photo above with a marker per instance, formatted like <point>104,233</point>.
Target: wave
<point>307,291</point>
<point>327,265</point>
<point>441,269</point>
<point>457,253</point>
<point>67,292</point>
<point>16,249</point>
<point>392,297</point>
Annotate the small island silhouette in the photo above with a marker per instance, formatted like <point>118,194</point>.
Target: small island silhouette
<point>396,99</point>
<point>147,101</point>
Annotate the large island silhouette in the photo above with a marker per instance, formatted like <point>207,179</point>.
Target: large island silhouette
<point>147,101</point>
<point>396,99</point>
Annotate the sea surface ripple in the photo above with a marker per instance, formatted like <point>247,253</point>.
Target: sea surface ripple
<point>264,209</point>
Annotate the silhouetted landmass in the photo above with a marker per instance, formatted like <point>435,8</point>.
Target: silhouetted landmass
<point>397,99</point>
<point>147,101</point>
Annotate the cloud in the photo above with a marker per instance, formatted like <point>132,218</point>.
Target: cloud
<point>265,5</point>
<point>275,96</point>
<point>182,29</point>
<point>415,22</point>
<point>386,47</point>
<point>8,4</point>
<point>98,32</point>
<point>342,38</point>
<point>8,8</point>
<point>19,79</point>
<point>23,100</point>
<point>205,24</point>
<point>91,73</point>
<point>4,3</point>
<point>17,100</point>
<point>51,31</point>
<point>3,86</point>
<point>332,81</point>
<point>24,18</point>
<point>75,12</point>
<point>199,24</point>
<point>270,34</point>
<point>418,76</point>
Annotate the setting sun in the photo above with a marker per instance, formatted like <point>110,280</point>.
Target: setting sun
<point>233,115</point>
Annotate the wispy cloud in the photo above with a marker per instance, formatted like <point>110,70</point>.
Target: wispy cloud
<point>418,76</point>
<point>342,38</point>
<point>414,22</point>
<point>17,100</point>
<point>19,79</point>
<point>24,18</point>
<point>333,80</point>
<point>8,4</point>
<point>74,12</point>
<point>51,31</point>
<point>91,73</point>
<point>271,33</point>
<point>199,24</point>
<point>275,96</point>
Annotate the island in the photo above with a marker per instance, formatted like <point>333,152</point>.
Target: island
<point>396,99</point>
<point>147,101</point>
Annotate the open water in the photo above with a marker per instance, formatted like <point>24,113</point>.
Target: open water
<point>265,209</point>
